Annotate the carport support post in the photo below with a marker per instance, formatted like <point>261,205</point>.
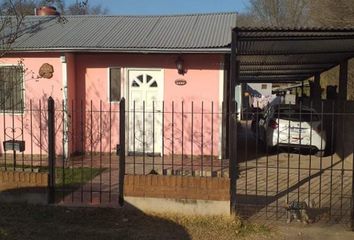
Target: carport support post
<point>232,115</point>
<point>317,87</point>
<point>343,81</point>
<point>316,95</point>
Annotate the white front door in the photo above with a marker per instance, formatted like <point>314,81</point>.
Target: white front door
<point>145,111</point>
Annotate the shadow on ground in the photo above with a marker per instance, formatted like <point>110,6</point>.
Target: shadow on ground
<point>24,221</point>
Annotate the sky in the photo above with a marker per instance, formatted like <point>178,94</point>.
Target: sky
<point>157,7</point>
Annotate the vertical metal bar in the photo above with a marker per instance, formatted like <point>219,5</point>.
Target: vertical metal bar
<point>13,133</point>
<point>232,112</point>
<point>221,118</point>
<point>343,110</point>
<point>163,137</point>
<point>4,120</point>
<point>153,135</point>
<point>246,152</point>
<point>320,177</point>
<point>299,156</point>
<point>122,151</point>
<point>310,155</point>
<point>63,150</point>
<point>134,138</point>
<point>51,151</point>
<point>22,136</point>
<point>173,137</point>
<point>31,130</point>
<point>110,152</point>
<point>232,118</point>
<point>72,145</point>
<point>266,176</point>
<point>182,118</point>
<point>40,132</point>
<point>83,132</point>
<point>257,142</point>
<point>202,140</point>
<point>144,139</point>
<point>331,174</point>
<point>100,132</point>
<point>277,168</point>
<point>91,150</point>
<point>192,137</point>
<point>212,138</point>
<point>233,155</point>
<point>288,167</point>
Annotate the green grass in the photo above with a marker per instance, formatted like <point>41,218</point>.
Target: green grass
<point>21,221</point>
<point>73,177</point>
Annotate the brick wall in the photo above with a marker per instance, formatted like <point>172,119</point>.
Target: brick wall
<point>10,180</point>
<point>177,187</point>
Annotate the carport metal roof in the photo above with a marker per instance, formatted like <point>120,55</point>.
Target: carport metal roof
<point>288,54</point>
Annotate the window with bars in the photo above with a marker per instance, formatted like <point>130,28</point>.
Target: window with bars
<point>11,89</point>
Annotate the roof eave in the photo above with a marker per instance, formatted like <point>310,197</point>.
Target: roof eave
<point>221,50</point>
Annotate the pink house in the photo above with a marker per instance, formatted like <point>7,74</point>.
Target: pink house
<point>172,71</point>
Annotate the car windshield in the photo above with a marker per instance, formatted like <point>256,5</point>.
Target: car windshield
<point>305,115</point>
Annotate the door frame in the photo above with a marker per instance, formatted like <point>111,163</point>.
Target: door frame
<point>127,97</point>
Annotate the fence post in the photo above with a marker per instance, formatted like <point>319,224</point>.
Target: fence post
<point>51,151</point>
<point>122,150</point>
<point>233,155</point>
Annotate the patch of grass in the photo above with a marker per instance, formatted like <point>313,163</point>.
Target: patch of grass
<point>22,221</point>
<point>74,177</point>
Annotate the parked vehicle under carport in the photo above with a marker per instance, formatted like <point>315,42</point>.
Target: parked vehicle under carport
<point>293,126</point>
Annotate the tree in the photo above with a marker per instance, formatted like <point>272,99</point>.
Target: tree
<point>279,13</point>
<point>11,22</point>
<point>302,13</point>
<point>84,8</point>
<point>26,7</point>
<point>339,13</point>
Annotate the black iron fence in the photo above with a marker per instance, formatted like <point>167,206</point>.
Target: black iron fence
<point>276,156</point>
<point>24,145</point>
<point>294,154</point>
<point>176,138</point>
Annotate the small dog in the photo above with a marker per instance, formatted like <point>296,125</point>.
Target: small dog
<point>297,210</point>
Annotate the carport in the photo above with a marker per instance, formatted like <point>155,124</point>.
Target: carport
<point>282,55</point>
<point>287,55</point>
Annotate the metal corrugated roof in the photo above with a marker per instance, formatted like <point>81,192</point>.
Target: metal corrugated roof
<point>272,54</point>
<point>125,33</point>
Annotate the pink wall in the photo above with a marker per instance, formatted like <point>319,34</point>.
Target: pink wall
<point>36,92</point>
<point>87,76</point>
<point>202,86</point>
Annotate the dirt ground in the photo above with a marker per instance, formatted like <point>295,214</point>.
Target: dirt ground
<point>21,221</point>
<point>299,232</point>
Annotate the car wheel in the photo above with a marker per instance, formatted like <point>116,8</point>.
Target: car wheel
<point>320,153</point>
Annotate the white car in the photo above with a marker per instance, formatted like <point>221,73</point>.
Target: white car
<point>292,126</point>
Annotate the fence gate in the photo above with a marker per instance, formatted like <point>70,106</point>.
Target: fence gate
<point>86,143</point>
<point>275,169</point>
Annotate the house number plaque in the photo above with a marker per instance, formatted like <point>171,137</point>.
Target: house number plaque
<point>180,82</point>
